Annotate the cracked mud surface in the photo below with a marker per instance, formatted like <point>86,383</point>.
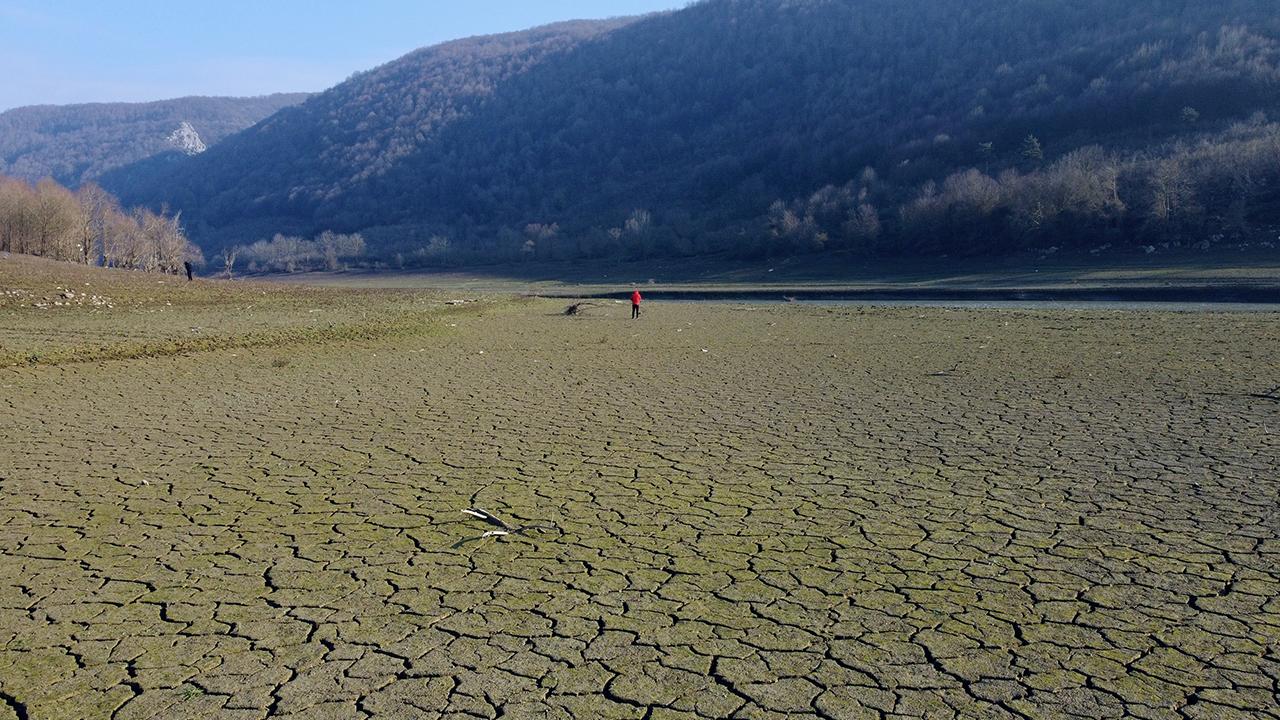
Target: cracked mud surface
<point>762,512</point>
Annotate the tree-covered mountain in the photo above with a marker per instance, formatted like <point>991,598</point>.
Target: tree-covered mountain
<point>75,144</point>
<point>886,126</point>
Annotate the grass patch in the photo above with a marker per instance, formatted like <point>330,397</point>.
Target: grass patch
<point>117,315</point>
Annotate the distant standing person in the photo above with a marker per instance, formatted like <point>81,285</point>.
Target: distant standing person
<point>635,304</point>
<point>187,266</point>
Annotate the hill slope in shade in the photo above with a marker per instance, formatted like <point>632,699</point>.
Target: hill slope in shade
<point>770,126</point>
<point>74,144</point>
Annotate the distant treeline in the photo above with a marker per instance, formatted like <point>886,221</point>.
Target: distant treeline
<point>1217,187</point>
<point>88,226</point>
<point>289,254</point>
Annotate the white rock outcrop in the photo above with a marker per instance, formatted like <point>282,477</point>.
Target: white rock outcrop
<point>186,139</point>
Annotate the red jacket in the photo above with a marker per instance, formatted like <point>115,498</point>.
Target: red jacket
<point>635,298</point>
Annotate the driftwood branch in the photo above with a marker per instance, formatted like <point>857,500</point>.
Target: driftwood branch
<point>578,308</point>
<point>503,529</point>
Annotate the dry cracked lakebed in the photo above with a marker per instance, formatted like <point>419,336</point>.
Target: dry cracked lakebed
<point>753,512</point>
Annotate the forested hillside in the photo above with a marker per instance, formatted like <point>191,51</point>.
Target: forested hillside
<point>75,144</point>
<point>776,126</point>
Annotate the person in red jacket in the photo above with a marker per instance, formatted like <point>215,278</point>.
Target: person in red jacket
<point>635,304</point>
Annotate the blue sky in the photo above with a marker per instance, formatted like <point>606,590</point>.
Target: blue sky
<point>66,51</point>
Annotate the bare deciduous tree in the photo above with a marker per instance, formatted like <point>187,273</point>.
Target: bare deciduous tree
<point>89,227</point>
<point>229,259</point>
<point>96,205</point>
<point>288,253</point>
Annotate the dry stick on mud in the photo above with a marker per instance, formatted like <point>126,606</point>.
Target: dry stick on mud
<point>948,373</point>
<point>1272,394</point>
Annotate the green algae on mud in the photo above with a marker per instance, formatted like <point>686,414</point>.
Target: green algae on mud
<point>760,511</point>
